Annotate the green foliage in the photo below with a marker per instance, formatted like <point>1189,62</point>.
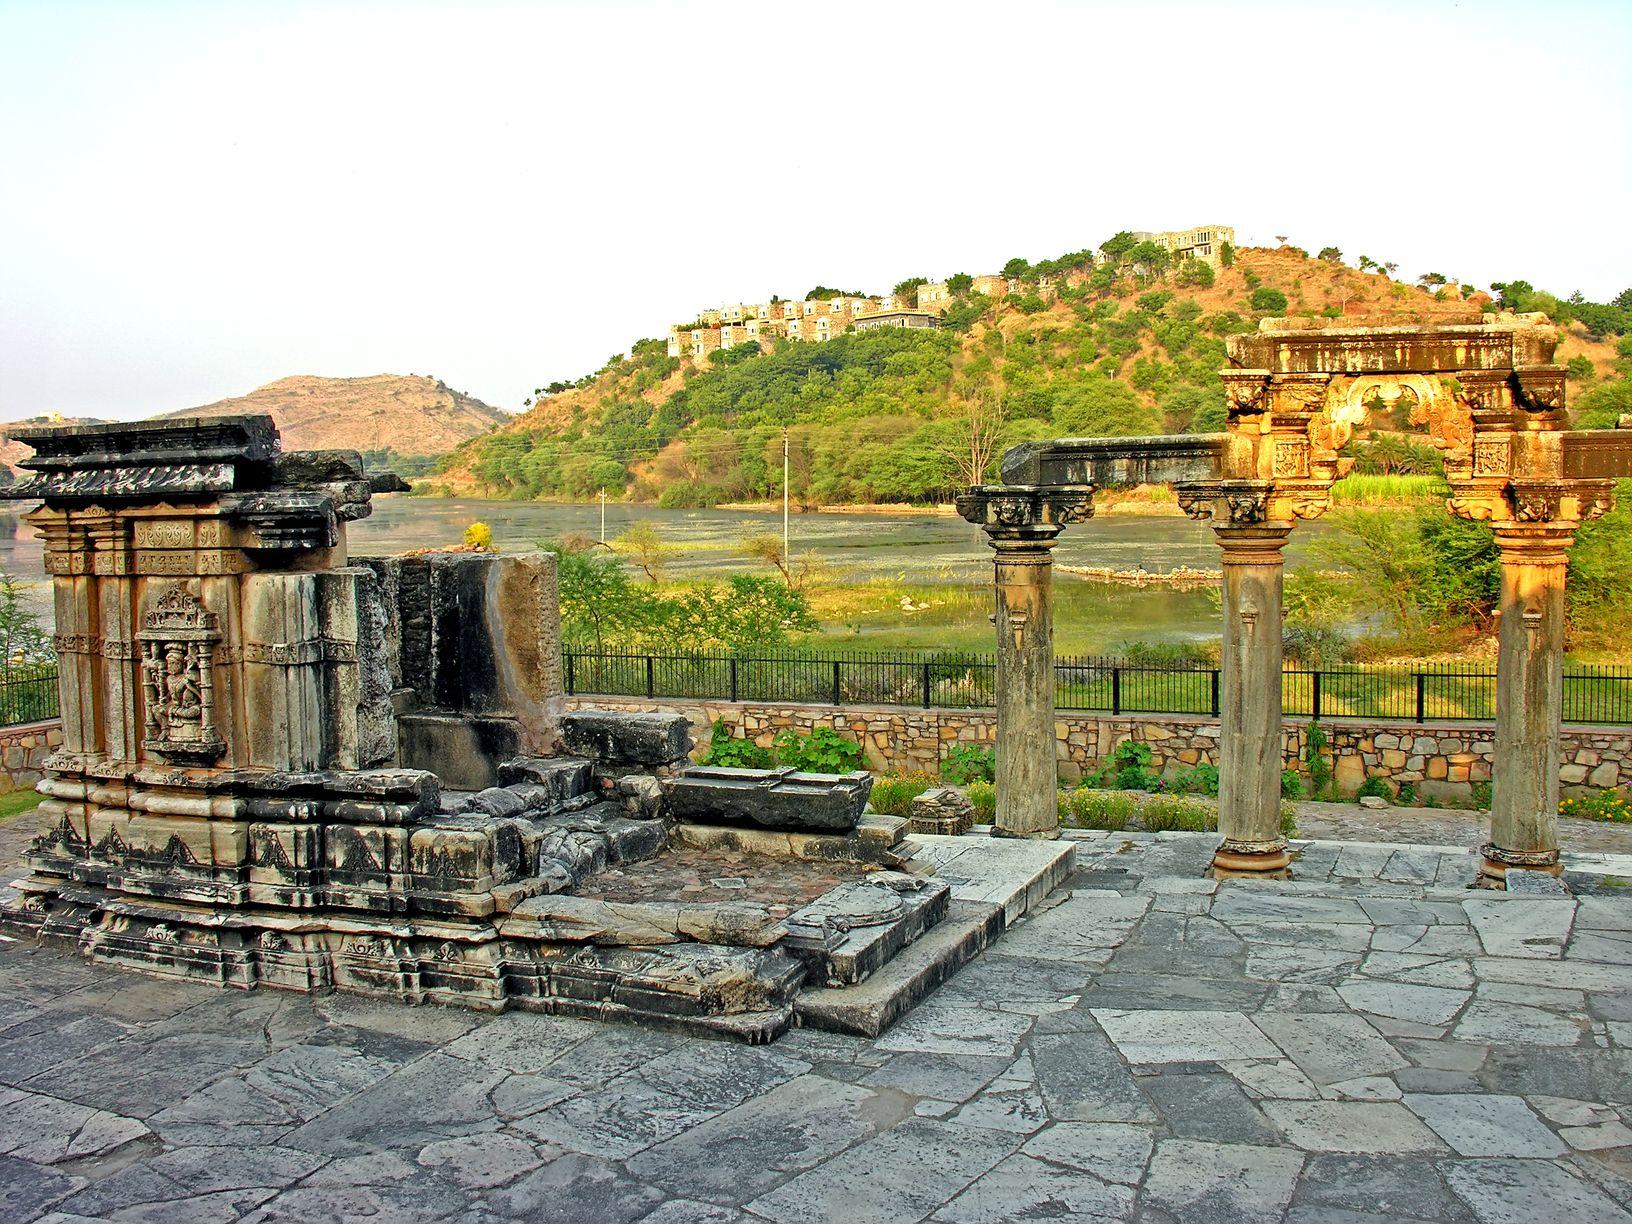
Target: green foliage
<point>1016,269</point>
<point>1129,768</point>
<point>1291,784</point>
<point>1268,301</point>
<point>479,537</point>
<point>909,287</point>
<point>1580,368</point>
<point>1191,409</point>
<point>892,794</point>
<point>1195,272</point>
<point>1604,405</point>
<point>1118,245</point>
<point>23,637</point>
<point>1152,303</point>
<point>1330,254</point>
<point>824,751</point>
<point>824,294</point>
<point>966,763</point>
<point>1375,787</point>
<point>959,283</point>
<point>734,752</point>
<point>1097,809</point>
<point>1197,780</point>
<point>1481,794</point>
<point>690,495</point>
<point>600,604</point>
<point>1101,408</point>
<point>1030,303</point>
<point>984,797</point>
<point>1226,254</point>
<point>1316,762</point>
<point>1252,278</point>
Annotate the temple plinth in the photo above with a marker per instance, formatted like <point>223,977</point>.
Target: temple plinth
<point>1021,524</point>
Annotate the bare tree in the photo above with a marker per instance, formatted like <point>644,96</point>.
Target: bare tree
<point>980,431</point>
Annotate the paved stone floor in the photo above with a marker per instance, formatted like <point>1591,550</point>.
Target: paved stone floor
<point>1443,826</point>
<point>1369,1042</point>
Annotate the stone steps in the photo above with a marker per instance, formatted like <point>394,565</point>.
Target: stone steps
<point>870,1007</point>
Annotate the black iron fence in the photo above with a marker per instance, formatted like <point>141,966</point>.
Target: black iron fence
<point>27,694</point>
<point>1447,693</point>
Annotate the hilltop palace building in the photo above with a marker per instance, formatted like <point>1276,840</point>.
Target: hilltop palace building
<point>823,318</point>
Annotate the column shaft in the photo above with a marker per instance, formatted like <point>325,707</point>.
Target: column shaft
<point>1529,704</point>
<point>1027,773</point>
<point>1250,737</point>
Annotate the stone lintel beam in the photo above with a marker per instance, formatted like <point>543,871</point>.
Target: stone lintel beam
<point>1164,459</point>
<point>1021,524</point>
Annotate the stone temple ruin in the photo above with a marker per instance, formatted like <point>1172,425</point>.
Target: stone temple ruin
<point>1490,397</point>
<point>284,767</point>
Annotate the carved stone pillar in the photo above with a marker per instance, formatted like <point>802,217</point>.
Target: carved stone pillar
<point>1529,701</point>
<point>1021,524</point>
<point>1250,736</point>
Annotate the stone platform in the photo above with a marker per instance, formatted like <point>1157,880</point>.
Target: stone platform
<point>1369,1042</point>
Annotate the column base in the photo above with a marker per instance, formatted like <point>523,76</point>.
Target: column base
<point>1494,862</point>
<point>1235,860</point>
<point>1036,835</point>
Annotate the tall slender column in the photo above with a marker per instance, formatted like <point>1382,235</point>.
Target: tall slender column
<point>1529,701</point>
<point>1250,736</point>
<point>1021,524</point>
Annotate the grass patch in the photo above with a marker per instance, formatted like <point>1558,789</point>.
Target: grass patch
<point>893,794</point>
<point>1375,491</point>
<point>15,803</point>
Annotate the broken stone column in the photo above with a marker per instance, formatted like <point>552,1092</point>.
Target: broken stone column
<point>1021,524</point>
<point>1249,733</point>
<point>477,658</point>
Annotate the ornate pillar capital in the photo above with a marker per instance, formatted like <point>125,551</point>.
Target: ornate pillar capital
<point>1025,516</point>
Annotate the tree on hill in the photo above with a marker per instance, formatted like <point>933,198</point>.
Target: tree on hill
<point>908,287</point>
<point>1331,254</point>
<point>959,283</point>
<point>1431,280</point>
<point>1152,258</point>
<point>1118,245</point>
<point>1102,408</point>
<point>1268,301</point>
<point>979,433</point>
<point>1368,264</point>
<point>1017,269</point>
<point>823,293</point>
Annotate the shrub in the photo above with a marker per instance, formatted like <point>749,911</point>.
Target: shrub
<point>893,793</point>
<point>479,537</point>
<point>732,752</point>
<point>984,796</point>
<point>1407,794</point>
<point>1195,272</point>
<point>1316,762</point>
<point>1129,768</point>
<point>1375,786</point>
<point>1182,813</point>
<point>1197,780</point>
<point>1580,368</point>
<point>966,763</point>
<point>1614,806</point>
<point>1268,301</point>
<point>1481,794</point>
<point>824,750</point>
<point>1252,278</point>
<point>1291,784</point>
<point>1097,809</point>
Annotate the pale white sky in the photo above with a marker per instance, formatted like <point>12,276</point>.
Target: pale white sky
<point>200,198</point>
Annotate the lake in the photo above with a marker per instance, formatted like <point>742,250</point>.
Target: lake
<point>920,550</point>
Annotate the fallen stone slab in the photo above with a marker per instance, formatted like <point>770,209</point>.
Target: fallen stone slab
<point>770,798</point>
<point>617,737</point>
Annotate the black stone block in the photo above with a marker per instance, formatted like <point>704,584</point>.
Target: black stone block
<point>613,737</point>
<point>770,798</point>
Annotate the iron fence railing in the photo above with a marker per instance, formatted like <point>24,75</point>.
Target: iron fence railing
<point>1421,694</point>
<point>28,694</point>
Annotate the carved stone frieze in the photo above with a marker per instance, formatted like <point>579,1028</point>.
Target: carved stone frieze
<point>1539,388</point>
<point>1022,513</point>
<point>1233,503</point>
<point>1246,392</point>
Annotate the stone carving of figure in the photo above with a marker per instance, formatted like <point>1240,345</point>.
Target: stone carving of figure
<point>183,706</point>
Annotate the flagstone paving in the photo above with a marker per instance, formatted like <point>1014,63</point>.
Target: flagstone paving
<point>1369,1041</point>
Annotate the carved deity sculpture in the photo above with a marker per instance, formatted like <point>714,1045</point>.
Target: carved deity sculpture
<point>179,637</point>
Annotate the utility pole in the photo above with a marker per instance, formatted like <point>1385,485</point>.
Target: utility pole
<point>785,559</point>
<point>603,514</point>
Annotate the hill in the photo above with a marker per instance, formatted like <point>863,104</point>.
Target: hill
<point>405,414</point>
<point>399,420</point>
<point>894,415</point>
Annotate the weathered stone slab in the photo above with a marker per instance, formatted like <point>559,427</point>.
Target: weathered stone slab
<point>613,737</point>
<point>769,798</point>
<point>1221,1181</point>
<point>1352,1127</point>
<point>1480,1125</point>
<point>1184,1036</point>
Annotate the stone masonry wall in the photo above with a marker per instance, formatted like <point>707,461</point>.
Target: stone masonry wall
<point>23,748</point>
<point>1442,760</point>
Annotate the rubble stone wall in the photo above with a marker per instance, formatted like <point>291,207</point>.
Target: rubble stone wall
<point>23,748</point>
<point>1440,759</point>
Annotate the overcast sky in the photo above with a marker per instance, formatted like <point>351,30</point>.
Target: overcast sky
<point>201,198</point>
